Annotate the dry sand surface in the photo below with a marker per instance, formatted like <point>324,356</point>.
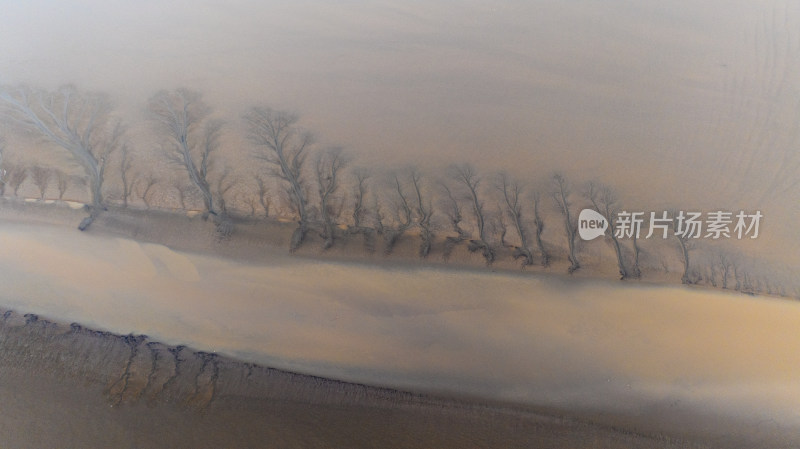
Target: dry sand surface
<point>579,363</point>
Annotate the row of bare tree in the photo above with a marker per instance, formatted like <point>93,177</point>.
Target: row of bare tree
<point>13,176</point>
<point>484,213</point>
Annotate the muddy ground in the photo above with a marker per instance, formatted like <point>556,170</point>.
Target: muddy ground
<point>69,386</point>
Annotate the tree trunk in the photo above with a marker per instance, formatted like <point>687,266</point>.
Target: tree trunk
<point>623,272</point>
<point>327,223</point>
<point>298,236</point>
<point>95,175</point>
<point>539,229</point>
<point>685,278</point>
<point>637,273</point>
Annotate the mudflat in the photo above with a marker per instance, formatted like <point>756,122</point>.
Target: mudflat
<point>68,386</point>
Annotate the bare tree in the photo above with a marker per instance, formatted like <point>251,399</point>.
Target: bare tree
<point>62,182</point>
<point>224,184</point>
<point>452,209</point>
<point>686,244</point>
<point>15,175</point>
<point>538,222</point>
<point>146,189</point>
<point>424,210</point>
<point>725,262</point>
<point>636,271</point>
<point>126,174</point>
<point>328,165</point>
<point>180,114</point>
<point>604,201</point>
<point>283,146</point>
<point>380,227</point>
<point>561,196</point>
<point>403,215</point>
<point>263,195</point>
<point>41,179</point>
<point>3,172</point>
<point>709,275</point>
<point>251,201</point>
<point>360,210</point>
<point>744,280</point>
<point>183,193</point>
<point>512,192</point>
<point>76,121</point>
<point>498,224</point>
<point>467,176</point>
<point>222,221</point>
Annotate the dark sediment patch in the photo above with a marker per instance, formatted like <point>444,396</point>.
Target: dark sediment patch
<point>70,386</point>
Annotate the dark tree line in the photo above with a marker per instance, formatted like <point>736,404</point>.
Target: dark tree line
<point>491,214</point>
